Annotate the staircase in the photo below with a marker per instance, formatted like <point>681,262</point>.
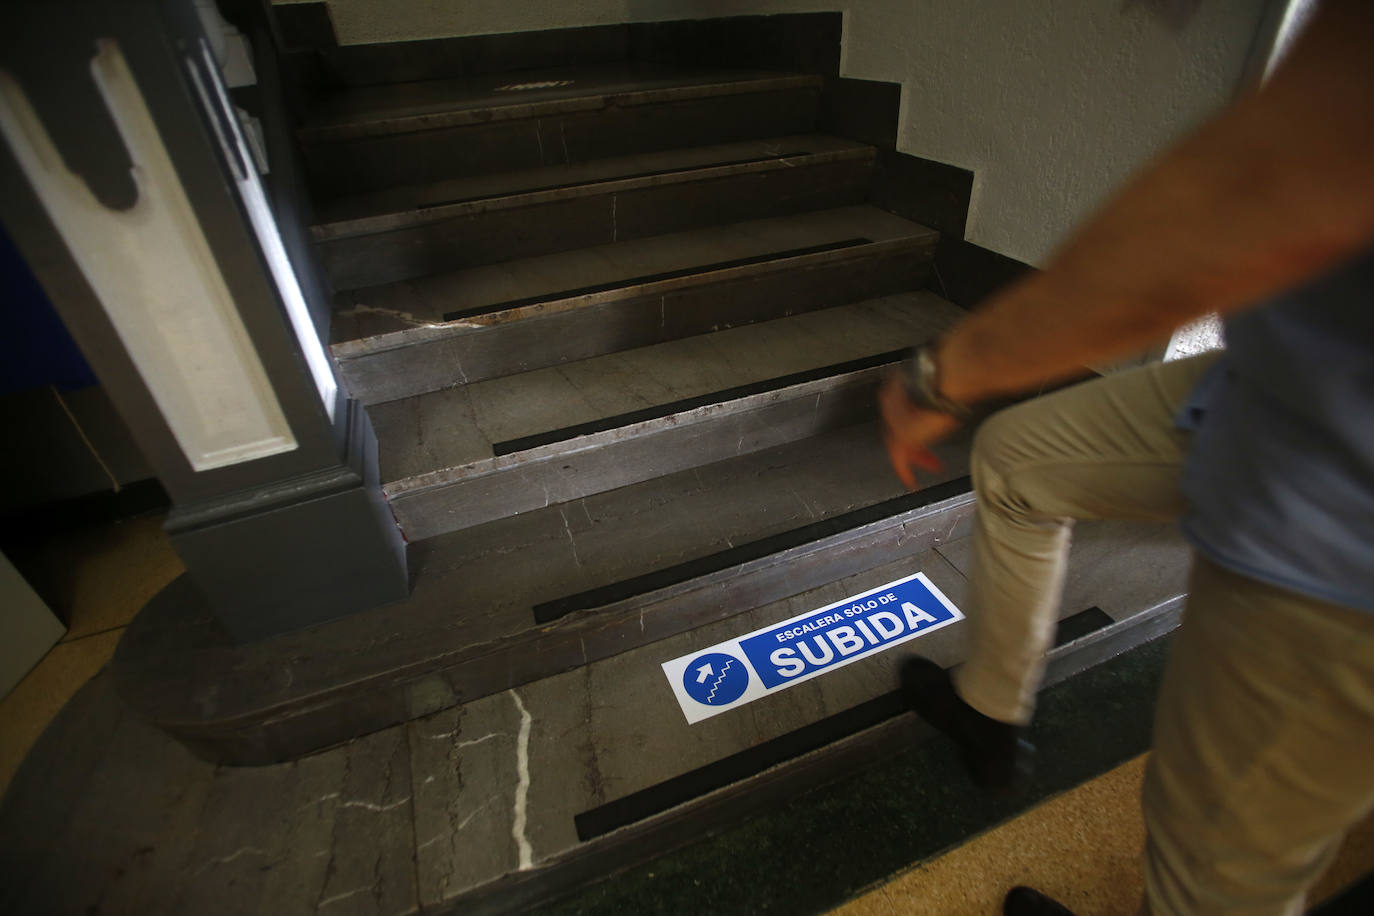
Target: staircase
<point>619,328</point>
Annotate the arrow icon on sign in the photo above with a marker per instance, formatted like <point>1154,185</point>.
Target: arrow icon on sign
<point>704,672</point>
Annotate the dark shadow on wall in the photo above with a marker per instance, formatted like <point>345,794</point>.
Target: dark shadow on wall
<point>65,439</point>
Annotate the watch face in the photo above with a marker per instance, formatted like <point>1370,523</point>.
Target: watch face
<point>925,366</point>
<point>923,385</point>
<point>926,374</point>
<point>911,380</point>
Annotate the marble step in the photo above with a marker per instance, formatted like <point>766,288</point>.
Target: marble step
<point>497,605</point>
<point>407,338</point>
<point>474,453</point>
<point>421,230</point>
<point>501,803</point>
<point>611,774</point>
<point>373,137</point>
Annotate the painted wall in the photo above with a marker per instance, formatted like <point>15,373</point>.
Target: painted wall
<point>1051,103</point>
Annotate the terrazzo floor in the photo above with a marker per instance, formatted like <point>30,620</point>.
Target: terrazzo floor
<point>1081,846</point>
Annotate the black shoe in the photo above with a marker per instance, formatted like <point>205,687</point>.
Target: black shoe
<point>1026,901</point>
<point>996,754</point>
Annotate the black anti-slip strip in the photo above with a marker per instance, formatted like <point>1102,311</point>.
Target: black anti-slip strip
<point>744,553</point>
<point>654,278</point>
<point>696,783</point>
<point>1081,624</point>
<point>716,397</point>
<point>592,184</point>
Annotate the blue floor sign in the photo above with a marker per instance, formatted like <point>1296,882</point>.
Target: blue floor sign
<point>715,679</point>
<point>774,658</point>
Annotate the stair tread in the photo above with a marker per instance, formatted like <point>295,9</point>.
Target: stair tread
<point>423,302</point>
<point>460,425</point>
<point>378,211</point>
<point>397,107</point>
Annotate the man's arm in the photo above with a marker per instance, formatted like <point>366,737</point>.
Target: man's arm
<point>1276,189</point>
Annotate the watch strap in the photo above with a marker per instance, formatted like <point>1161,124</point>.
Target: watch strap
<point>921,378</point>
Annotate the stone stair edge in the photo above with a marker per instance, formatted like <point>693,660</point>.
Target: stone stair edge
<point>593,100</point>
<point>409,690</point>
<point>336,230</point>
<point>809,390</point>
<point>923,240</point>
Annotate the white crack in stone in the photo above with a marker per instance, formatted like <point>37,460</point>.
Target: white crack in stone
<point>371,806</point>
<point>344,896</point>
<point>403,317</point>
<point>476,811</point>
<point>440,736</point>
<point>572,541</point>
<point>233,856</point>
<point>522,787</point>
<point>319,801</point>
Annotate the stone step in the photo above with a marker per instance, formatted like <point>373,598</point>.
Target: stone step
<point>499,803</point>
<point>605,771</point>
<point>473,453</point>
<point>418,231</point>
<point>407,338</point>
<point>374,137</point>
<point>497,605</point>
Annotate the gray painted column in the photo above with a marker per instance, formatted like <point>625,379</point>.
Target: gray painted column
<point>126,182</point>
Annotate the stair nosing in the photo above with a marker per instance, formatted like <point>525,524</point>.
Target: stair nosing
<point>465,117</point>
<point>645,281</point>
<point>363,347</point>
<point>339,230</point>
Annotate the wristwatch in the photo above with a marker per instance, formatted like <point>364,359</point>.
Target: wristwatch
<point>921,379</point>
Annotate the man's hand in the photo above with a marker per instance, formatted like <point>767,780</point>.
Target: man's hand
<point>909,431</point>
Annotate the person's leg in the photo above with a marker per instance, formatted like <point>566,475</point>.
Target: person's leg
<point>1103,449</point>
<point>1263,748</point>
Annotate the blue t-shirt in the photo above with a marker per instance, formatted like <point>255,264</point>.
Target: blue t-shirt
<point>1280,478</point>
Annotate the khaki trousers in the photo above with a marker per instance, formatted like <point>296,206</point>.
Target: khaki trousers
<point>1264,734</point>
